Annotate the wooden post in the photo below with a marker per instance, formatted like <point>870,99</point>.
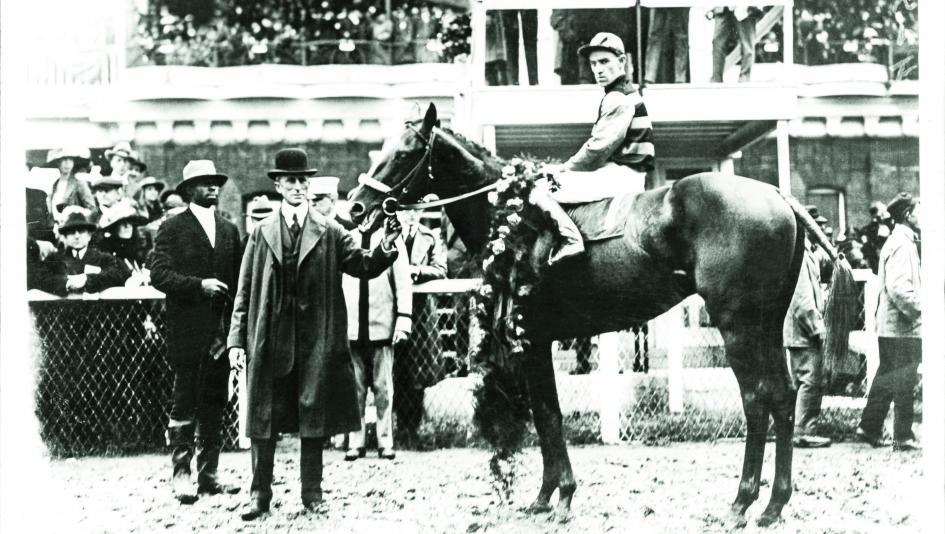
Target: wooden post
<point>243,413</point>
<point>547,45</point>
<point>608,371</point>
<point>675,330</point>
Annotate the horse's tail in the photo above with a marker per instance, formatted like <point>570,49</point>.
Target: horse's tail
<point>841,310</point>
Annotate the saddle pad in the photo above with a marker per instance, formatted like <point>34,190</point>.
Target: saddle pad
<point>603,219</point>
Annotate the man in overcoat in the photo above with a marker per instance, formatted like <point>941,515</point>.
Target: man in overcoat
<point>290,324</point>
<point>899,329</point>
<point>196,262</point>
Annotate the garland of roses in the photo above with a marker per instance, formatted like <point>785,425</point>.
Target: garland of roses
<point>502,411</point>
<point>508,276</point>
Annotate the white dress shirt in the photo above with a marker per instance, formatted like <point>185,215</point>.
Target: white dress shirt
<point>207,222</point>
<point>300,211</point>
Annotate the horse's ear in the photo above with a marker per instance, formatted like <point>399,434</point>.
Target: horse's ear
<point>430,120</point>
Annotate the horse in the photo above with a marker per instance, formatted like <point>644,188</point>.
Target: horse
<point>735,241</point>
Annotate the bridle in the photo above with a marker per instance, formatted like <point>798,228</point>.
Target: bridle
<point>400,188</point>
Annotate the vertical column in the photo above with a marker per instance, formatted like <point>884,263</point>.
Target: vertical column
<point>787,32</point>
<point>547,47</point>
<point>608,346</point>
<point>784,156</point>
<point>478,45</point>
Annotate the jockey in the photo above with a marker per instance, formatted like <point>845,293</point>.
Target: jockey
<point>616,157</point>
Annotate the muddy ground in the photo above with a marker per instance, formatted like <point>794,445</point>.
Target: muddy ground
<point>668,489</point>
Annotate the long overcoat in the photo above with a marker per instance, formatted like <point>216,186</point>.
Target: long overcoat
<point>327,400</point>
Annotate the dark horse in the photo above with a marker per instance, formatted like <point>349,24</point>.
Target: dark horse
<point>736,242</point>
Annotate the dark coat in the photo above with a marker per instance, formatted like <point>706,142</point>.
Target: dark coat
<point>182,258</point>
<point>327,403</point>
<point>59,265</point>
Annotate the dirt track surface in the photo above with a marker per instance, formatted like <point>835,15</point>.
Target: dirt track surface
<point>669,489</point>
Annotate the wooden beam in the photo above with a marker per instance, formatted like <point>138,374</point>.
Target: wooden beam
<point>746,135</point>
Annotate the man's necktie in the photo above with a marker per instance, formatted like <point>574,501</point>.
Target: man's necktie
<point>295,229</point>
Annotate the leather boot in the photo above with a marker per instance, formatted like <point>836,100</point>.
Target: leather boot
<point>208,458</point>
<point>571,243</point>
<point>182,446</point>
<point>311,468</point>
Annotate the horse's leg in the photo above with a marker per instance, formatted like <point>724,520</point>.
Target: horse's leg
<point>741,354</point>
<point>546,411</point>
<point>780,397</point>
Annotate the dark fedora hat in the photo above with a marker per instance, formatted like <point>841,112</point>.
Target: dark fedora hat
<point>291,162</point>
<point>76,219</point>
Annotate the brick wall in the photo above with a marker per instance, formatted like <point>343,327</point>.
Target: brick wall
<point>864,169</point>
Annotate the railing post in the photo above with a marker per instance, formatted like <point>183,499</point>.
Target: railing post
<point>870,299</point>
<point>608,347</point>
<point>674,330</point>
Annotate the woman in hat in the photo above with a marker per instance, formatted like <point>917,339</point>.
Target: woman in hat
<point>120,238</point>
<point>148,198</point>
<point>68,190</point>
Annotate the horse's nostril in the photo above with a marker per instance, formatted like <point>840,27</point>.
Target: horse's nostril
<point>357,208</point>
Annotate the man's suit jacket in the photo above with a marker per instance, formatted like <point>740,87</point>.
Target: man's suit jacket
<point>181,260</point>
<point>428,255</point>
<point>102,271</point>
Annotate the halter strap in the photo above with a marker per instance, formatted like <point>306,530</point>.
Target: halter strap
<point>449,200</point>
<point>371,183</point>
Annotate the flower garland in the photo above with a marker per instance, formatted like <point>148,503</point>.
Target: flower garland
<point>502,409</point>
<point>508,276</point>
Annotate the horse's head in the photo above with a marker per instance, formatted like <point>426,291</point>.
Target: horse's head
<point>423,159</point>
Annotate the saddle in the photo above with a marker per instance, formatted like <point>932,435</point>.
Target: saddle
<point>603,219</point>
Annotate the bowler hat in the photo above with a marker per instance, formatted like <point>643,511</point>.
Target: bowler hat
<point>603,41</point>
<point>199,170</point>
<point>97,181</point>
<point>122,148</point>
<point>260,208</point>
<point>76,219</point>
<point>291,162</point>
<point>812,210</point>
<point>166,193</point>
<point>900,206</point>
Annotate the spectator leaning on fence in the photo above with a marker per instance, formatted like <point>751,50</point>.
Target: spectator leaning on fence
<point>120,238</point>
<point>196,263</point>
<point>290,325</point>
<point>78,268</point>
<point>804,338</point>
<point>899,328</point>
<point>379,317</point>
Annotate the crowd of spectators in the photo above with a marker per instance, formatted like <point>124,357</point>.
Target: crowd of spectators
<point>302,32</point>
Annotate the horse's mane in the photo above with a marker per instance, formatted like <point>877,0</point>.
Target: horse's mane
<point>473,147</point>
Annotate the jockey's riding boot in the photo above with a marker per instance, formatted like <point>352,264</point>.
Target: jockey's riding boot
<point>208,458</point>
<point>182,446</point>
<point>571,242</point>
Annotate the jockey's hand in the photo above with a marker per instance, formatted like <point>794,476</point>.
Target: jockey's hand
<point>399,337</point>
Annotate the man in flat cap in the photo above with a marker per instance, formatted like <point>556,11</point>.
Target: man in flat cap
<point>196,263</point>
<point>617,156</point>
<point>289,324</point>
<point>899,328</point>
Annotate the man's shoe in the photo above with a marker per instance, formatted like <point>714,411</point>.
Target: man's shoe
<point>255,511</point>
<point>386,454</point>
<point>874,441</point>
<point>215,488</point>
<point>354,454</point>
<point>315,505</point>
<point>906,445</point>
<point>183,489</point>
<point>811,442</point>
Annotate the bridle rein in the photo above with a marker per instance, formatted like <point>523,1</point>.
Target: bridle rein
<point>395,192</point>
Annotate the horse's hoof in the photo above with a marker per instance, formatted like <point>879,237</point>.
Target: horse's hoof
<point>735,521</point>
<point>767,519</point>
<point>563,515</point>
<point>538,507</point>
